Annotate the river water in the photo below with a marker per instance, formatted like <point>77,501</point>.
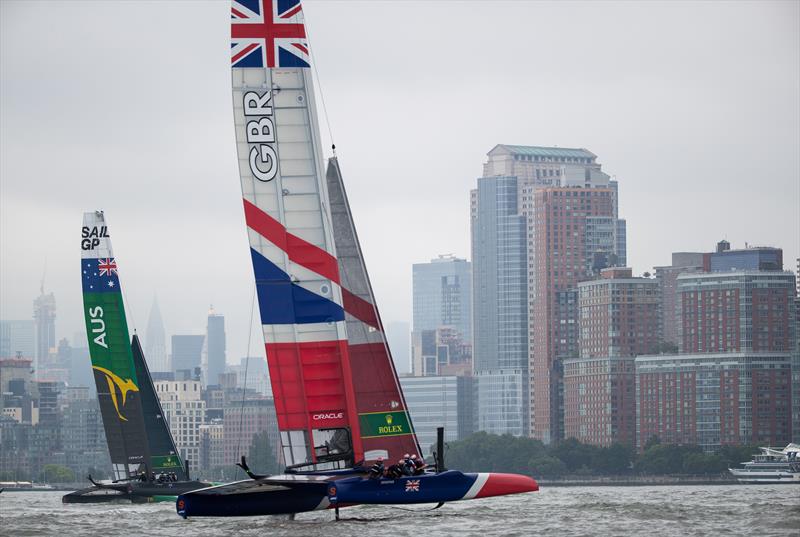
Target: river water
<point>723,510</point>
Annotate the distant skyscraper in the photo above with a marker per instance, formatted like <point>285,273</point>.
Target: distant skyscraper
<point>215,343</point>
<point>155,349</point>
<point>44,313</point>
<point>443,295</point>
<point>17,337</point>
<point>187,352</point>
<point>398,336</point>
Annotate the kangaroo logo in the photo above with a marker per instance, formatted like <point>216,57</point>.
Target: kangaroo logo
<point>116,383</point>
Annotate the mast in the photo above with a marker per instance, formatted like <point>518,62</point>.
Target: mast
<point>291,243</point>
<point>110,351</point>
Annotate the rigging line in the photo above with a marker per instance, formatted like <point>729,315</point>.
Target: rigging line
<point>246,367</point>
<point>319,83</point>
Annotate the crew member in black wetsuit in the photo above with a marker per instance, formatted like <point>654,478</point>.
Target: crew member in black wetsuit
<point>408,465</point>
<point>377,469</point>
<point>395,470</point>
<point>419,465</point>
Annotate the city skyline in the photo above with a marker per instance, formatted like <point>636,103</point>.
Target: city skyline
<point>668,121</point>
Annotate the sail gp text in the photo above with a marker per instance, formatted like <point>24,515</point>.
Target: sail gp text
<point>260,135</point>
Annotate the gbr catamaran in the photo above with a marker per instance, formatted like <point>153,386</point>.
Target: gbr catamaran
<point>338,400</point>
<point>145,462</point>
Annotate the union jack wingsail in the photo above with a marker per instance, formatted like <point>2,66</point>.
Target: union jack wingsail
<point>337,398</point>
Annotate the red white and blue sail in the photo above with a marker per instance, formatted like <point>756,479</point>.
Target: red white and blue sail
<point>303,305</point>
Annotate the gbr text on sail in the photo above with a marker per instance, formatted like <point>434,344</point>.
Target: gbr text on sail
<point>260,133</point>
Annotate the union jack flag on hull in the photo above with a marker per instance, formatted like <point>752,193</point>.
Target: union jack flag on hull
<point>268,34</point>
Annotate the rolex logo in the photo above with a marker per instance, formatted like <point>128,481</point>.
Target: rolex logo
<point>389,419</point>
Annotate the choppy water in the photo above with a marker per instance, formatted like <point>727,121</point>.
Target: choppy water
<point>729,510</point>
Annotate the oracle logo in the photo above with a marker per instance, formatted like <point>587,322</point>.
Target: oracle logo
<point>328,416</point>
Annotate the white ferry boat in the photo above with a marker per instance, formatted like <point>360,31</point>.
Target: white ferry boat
<point>771,466</point>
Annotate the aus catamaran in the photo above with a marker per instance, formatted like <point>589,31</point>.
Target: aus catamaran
<point>145,462</point>
<point>338,400</point>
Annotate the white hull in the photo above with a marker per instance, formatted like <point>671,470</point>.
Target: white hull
<point>776,477</point>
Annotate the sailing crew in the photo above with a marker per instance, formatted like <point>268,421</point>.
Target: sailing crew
<point>408,465</point>
<point>377,469</point>
<point>419,465</point>
<point>396,470</point>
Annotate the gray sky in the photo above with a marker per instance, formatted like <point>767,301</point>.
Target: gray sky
<point>126,107</point>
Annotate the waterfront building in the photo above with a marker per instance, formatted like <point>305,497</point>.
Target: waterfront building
<point>618,315</point>
<point>714,399</point>
<point>599,400</point>
<point>184,410</point>
<point>502,401</point>
<point>440,401</point>
<point>667,278</point>
<point>155,348</point>
<point>737,311</point>
<point>618,320</point>
<point>442,295</point>
<point>215,346</point>
<point>187,352</point>
<point>44,314</point>
<point>574,227</point>
<point>17,338</point>
<point>500,308</point>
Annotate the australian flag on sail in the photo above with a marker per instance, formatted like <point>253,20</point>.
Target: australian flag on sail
<point>99,275</point>
<point>268,33</point>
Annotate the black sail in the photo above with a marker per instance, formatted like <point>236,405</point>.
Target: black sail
<point>164,456</point>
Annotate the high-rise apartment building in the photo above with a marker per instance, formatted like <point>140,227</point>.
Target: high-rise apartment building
<point>215,347</point>
<point>155,348</point>
<point>737,311</point>
<point>500,305</point>
<point>714,399</point>
<point>618,320</point>
<point>187,352</point>
<point>574,227</point>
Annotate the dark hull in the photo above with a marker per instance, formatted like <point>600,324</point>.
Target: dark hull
<point>269,501</point>
<point>134,492</point>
